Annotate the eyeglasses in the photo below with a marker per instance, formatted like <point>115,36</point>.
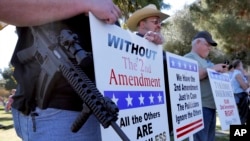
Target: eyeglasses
<point>155,22</point>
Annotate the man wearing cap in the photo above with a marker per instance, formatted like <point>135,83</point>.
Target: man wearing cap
<point>202,44</point>
<point>146,22</point>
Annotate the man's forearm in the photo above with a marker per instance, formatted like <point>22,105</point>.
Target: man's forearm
<point>37,12</point>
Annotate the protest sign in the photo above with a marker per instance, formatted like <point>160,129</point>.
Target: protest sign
<point>185,96</point>
<point>129,70</point>
<point>224,99</point>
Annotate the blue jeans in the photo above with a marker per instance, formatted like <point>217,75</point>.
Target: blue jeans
<point>54,125</point>
<point>208,132</point>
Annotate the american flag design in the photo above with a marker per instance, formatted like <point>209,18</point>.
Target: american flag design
<point>135,99</point>
<point>182,64</point>
<point>219,76</point>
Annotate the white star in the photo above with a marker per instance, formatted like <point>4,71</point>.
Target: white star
<point>129,100</point>
<point>190,67</point>
<point>141,98</point>
<point>114,99</point>
<point>179,63</point>
<point>160,98</point>
<point>195,68</point>
<point>151,99</point>
<point>185,65</point>
<point>173,63</point>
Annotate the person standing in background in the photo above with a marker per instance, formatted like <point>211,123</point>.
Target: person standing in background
<point>202,44</point>
<point>240,85</point>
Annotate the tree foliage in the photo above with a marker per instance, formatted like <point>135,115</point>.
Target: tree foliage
<point>8,77</point>
<point>178,32</point>
<point>229,22</point>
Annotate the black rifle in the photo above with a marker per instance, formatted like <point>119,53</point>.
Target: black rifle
<point>65,56</point>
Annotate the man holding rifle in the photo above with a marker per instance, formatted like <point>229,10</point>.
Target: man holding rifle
<point>53,120</point>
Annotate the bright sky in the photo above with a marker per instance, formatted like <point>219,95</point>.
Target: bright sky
<point>8,36</point>
<point>8,40</point>
<point>176,5</point>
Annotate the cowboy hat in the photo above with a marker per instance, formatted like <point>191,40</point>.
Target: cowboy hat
<point>148,11</point>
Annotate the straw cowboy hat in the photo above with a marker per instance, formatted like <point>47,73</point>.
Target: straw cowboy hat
<point>148,11</point>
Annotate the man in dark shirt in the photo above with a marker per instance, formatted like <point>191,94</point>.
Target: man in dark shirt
<point>54,120</point>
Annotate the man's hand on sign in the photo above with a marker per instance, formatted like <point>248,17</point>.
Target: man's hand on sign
<point>154,37</point>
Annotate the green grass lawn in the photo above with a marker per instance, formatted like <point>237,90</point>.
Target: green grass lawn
<point>8,133</point>
<point>221,136</point>
<point>5,119</point>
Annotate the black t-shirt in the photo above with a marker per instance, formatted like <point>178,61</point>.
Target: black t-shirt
<point>62,96</point>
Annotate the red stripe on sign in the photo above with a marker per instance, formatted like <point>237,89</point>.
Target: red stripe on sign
<point>191,129</point>
<point>192,126</point>
<point>188,125</point>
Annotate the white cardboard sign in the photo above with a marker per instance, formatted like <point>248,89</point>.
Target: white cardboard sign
<point>224,99</point>
<point>184,90</point>
<point>129,70</point>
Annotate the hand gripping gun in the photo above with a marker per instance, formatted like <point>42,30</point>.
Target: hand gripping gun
<point>65,57</point>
